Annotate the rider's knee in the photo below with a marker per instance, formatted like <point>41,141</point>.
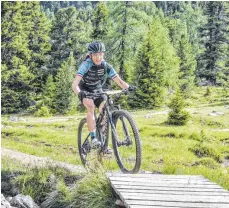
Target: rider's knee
<point>90,106</point>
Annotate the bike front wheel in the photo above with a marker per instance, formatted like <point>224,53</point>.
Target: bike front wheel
<point>126,142</point>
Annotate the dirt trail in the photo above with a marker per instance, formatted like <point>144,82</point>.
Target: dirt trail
<point>35,161</point>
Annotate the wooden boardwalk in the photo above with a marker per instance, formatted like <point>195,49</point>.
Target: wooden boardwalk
<point>154,190</point>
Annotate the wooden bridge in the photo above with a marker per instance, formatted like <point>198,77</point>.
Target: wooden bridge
<point>154,190</point>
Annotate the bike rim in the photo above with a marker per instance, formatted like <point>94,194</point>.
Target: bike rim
<point>125,144</point>
<point>89,156</point>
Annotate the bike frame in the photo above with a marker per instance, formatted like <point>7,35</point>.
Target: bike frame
<point>110,120</point>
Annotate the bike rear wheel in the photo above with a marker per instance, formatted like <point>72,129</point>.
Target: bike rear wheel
<point>126,142</point>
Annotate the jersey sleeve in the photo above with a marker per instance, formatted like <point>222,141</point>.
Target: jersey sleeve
<point>111,72</point>
<point>82,69</point>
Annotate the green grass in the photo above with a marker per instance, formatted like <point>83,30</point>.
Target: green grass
<point>200,147</point>
<point>55,187</point>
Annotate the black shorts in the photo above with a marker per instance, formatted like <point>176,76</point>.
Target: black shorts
<point>98,100</point>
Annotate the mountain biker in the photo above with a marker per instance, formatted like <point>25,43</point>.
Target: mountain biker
<point>91,76</point>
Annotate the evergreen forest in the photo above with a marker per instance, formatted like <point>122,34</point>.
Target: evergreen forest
<point>160,47</point>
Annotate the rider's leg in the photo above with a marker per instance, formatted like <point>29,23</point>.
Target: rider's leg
<point>89,104</point>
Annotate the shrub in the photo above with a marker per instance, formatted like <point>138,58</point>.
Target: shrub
<point>43,112</point>
<point>177,116</point>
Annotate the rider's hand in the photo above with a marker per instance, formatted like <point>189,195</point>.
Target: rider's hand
<point>81,95</point>
<point>132,88</point>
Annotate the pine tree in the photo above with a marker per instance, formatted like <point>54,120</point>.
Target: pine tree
<point>37,28</point>
<point>68,34</point>
<point>125,36</point>
<point>16,75</point>
<point>177,115</point>
<point>64,79</point>
<point>187,65</point>
<point>48,95</point>
<point>157,66</point>
<point>215,39</point>
<point>99,22</point>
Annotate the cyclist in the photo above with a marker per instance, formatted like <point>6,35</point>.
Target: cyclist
<point>91,76</point>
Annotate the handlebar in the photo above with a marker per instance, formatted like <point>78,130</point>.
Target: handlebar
<point>111,92</point>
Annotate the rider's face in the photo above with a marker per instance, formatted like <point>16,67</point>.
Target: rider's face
<point>97,57</point>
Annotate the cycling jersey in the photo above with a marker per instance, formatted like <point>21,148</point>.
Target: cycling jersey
<point>94,76</point>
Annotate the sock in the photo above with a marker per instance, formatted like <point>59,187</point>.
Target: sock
<point>92,134</point>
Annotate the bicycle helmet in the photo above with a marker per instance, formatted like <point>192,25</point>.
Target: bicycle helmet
<point>96,47</point>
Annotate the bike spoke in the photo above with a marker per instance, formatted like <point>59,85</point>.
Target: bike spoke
<point>125,144</point>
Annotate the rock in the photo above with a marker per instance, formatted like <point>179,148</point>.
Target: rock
<point>119,203</point>
<point>13,118</point>
<point>5,186</point>
<point>148,115</point>
<point>9,198</point>
<point>4,202</point>
<point>23,201</point>
<point>215,113</point>
<point>52,181</point>
<point>14,191</point>
<point>16,119</point>
<point>50,199</point>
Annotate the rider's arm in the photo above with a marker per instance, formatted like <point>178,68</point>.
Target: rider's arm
<point>120,82</point>
<point>82,70</point>
<point>75,84</point>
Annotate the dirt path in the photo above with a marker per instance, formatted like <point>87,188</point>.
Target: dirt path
<point>35,161</point>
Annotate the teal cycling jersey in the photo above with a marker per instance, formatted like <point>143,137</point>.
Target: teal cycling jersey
<point>94,76</point>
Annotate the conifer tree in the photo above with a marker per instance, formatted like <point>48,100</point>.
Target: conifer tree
<point>22,53</point>
<point>64,79</point>
<point>215,39</point>
<point>124,38</point>
<point>48,95</point>
<point>157,66</point>
<point>37,28</point>
<point>100,22</point>
<point>68,34</point>
<point>187,65</point>
<point>177,115</point>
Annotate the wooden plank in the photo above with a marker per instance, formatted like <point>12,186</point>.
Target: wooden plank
<point>166,185</point>
<point>143,206</point>
<point>171,189</point>
<point>161,204</point>
<point>176,198</point>
<point>158,176</point>
<point>166,192</point>
<point>149,180</point>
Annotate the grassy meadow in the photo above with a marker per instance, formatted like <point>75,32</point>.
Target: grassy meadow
<point>201,147</point>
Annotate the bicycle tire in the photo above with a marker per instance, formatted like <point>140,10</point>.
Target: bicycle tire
<point>81,138</point>
<point>80,129</point>
<point>121,114</point>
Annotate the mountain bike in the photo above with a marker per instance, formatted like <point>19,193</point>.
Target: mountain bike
<point>125,136</point>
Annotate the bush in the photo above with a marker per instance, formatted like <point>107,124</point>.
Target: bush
<point>43,112</point>
<point>177,116</point>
